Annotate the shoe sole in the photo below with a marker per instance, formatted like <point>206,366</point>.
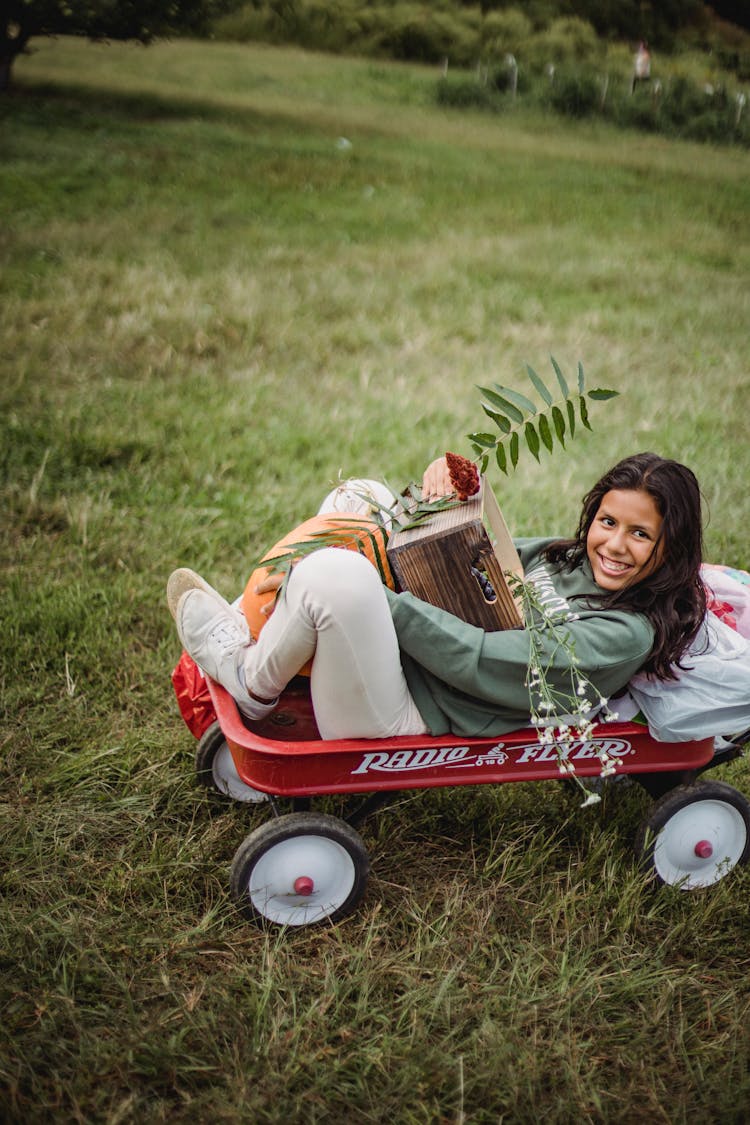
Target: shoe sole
<point>182,580</point>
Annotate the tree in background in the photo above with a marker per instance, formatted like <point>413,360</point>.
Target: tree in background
<point>628,20</point>
<point>142,20</point>
<point>735,11</point>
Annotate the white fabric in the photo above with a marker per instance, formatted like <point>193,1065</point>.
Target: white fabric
<point>359,497</point>
<point>335,610</point>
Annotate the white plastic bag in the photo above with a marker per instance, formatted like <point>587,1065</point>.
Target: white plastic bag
<point>731,595</point>
<point>711,696</point>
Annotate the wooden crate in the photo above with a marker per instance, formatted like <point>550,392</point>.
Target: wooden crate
<point>434,561</point>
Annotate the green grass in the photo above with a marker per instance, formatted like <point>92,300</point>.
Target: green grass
<point>208,307</point>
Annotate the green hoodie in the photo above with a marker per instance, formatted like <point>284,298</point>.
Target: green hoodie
<point>469,682</point>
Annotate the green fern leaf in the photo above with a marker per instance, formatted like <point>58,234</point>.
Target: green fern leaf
<point>545,432</point>
<point>601,394</point>
<point>559,424</point>
<point>532,440</point>
<point>502,459</point>
<point>561,380</point>
<point>514,446</point>
<point>502,404</point>
<point>583,410</point>
<point>483,441</point>
<point>571,417</point>
<point>539,385</point>
<point>500,420</point>
<point>522,402</point>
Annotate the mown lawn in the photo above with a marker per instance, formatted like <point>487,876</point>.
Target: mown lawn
<point>227,275</point>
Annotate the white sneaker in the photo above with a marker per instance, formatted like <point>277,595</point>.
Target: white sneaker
<point>212,635</point>
<point>185,579</point>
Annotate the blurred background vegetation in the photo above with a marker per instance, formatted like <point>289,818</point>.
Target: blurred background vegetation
<point>573,57</point>
<point>464,31</point>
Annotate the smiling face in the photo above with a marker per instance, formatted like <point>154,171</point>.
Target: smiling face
<point>623,544</point>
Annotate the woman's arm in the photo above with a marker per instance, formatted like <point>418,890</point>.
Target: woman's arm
<point>610,647</point>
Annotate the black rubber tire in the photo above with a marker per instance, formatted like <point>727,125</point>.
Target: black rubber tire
<point>315,846</point>
<point>215,769</point>
<point>711,813</point>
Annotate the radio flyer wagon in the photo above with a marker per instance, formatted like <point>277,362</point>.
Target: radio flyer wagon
<point>304,867</point>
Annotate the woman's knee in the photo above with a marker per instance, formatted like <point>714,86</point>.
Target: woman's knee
<point>336,578</point>
<point>334,566</point>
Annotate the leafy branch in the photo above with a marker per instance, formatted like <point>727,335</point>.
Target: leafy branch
<point>349,532</point>
<point>562,711</point>
<point>356,532</point>
<point>519,419</point>
<point>410,509</point>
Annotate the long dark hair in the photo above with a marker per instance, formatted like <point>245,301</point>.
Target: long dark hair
<point>673,597</point>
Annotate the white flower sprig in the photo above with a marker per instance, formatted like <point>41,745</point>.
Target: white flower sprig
<point>563,714</point>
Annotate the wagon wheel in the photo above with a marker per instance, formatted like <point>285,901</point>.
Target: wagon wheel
<point>299,870</point>
<point>215,768</point>
<point>695,835</point>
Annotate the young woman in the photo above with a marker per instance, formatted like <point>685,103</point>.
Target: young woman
<point>387,664</point>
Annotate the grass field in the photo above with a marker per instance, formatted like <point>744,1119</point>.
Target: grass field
<point>210,305</point>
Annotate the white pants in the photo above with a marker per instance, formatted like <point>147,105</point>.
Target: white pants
<point>335,612</point>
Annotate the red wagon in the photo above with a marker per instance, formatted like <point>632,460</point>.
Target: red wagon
<point>304,867</point>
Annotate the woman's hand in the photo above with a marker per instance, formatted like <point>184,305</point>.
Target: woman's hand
<point>270,585</point>
<point>436,481</point>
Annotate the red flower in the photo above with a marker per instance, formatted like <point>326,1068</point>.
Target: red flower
<point>464,475</point>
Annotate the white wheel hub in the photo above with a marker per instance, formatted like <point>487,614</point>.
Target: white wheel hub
<point>301,880</point>
<point>229,782</point>
<point>699,844</point>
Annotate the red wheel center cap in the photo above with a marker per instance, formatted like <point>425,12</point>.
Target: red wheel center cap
<point>303,885</point>
<point>704,849</point>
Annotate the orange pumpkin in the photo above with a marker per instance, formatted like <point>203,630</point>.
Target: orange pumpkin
<point>353,533</point>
